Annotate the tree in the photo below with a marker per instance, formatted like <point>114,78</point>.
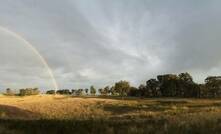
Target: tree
<point>79,92</point>
<point>22,92</point>
<point>106,90</point>
<point>122,87</point>
<point>100,90</point>
<point>35,91</point>
<point>213,84</point>
<point>64,92</point>
<point>86,91</point>
<point>187,87</point>
<point>182,85</point>
<point>29,91</point>
<point>152,87</point>
<point>73,91</point>
<point>203,92</point>
<point>113,92</point>
<point>142,90</point>
<point>168,85</point>
<point>135,92</point>
<point>51,92</point>
<point>9,92</point>
<point>186,77</point>
<point>92,90</point>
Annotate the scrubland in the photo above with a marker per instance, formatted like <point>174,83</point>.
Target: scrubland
<point>67,114</point>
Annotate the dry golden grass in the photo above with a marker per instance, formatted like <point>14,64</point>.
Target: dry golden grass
<point>65,114</point>
<point>67,107</point>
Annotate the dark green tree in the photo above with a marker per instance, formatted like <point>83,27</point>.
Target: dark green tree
<point>79,92</point>
<point>135,92</point>
<point>51,92</point>
<point>152,88</point>
<point>9,92</point>
<point>92,90</point>
<point>187,87</point>
<point>169,85</point>
<point>213,84</point>
<point>100,90</point>
<point>113,92</point>
<point>86,91</point>
<point>122,87</point>
<point>143,91</point>
<point>106,90</point>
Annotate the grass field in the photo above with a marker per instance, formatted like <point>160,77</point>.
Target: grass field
<point>65,114</point>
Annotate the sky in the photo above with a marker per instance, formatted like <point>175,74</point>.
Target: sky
<point>99,42</point>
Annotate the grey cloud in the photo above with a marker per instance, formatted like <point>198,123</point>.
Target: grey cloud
<point>99,42</point>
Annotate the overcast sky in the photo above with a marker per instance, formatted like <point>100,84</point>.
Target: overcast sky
<point>99,42</point>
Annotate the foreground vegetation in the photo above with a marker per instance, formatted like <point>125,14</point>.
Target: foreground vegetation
<point>59,114</point>
<point>149,126</point>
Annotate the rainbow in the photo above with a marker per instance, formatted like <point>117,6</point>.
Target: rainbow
<point>35,51</point>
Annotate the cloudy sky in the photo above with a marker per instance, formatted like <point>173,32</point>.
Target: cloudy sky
<point>98,42</point>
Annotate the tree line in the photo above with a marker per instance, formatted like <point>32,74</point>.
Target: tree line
<point>23,92</point>
<point>168,85</point>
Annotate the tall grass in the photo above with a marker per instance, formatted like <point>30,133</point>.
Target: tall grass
<point>148,126</point>
<point>70,115</point>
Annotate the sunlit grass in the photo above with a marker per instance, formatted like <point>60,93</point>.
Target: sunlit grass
<point>170,114</point>
<point>67,107</point>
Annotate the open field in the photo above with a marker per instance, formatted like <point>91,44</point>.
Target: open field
<point>66,114</point>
